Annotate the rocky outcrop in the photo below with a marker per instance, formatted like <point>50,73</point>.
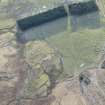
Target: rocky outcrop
<point>7,48</point>
<point>85,89</point>
<point>8,73</point>
<point>45,67</point>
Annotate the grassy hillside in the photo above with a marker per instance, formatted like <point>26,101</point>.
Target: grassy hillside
<point>80,49</point>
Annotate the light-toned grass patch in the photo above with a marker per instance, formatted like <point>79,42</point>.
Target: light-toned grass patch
<point>80,48</point>
<point>6,23</point>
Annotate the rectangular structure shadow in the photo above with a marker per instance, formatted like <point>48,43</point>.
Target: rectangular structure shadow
<point>56,13</point>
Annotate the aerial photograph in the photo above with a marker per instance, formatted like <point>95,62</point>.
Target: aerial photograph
<point>52,52</point>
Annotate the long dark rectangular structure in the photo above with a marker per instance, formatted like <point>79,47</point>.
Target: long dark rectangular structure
<point>83,8</point>
<point>56,13</point>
